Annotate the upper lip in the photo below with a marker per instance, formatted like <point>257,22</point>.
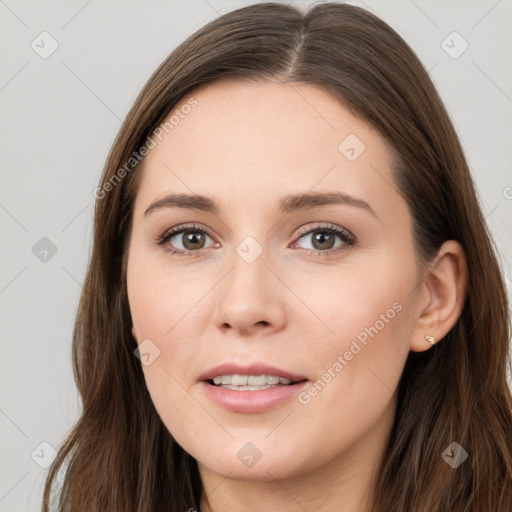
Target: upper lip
<point>249,369</point>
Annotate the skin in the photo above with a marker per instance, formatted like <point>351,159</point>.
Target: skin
<point>246,146</point>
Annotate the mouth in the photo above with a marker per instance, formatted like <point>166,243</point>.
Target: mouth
<point>237,382</point>
<point>252,389</point>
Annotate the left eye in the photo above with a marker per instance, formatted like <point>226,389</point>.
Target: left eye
<point>321,239</point>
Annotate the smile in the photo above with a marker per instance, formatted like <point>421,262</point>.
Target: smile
<point>249,382</point>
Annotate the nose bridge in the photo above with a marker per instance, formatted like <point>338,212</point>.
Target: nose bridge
<point>249,294</point>
<point>249,274</point>
<point>250,246</point>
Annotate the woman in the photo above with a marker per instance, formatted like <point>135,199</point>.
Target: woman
<point>293,300</point>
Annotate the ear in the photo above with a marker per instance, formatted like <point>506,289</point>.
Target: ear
<point>133,333</point>
<point>442,295</point>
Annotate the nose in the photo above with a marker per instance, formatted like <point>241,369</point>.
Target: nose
<point>250,300</point>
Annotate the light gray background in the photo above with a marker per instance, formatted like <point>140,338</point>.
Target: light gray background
<point>59,119</point>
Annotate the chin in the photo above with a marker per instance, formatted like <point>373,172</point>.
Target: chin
<point>244,461</point>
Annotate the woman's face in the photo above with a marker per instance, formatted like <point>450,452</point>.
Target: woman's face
<point>272,278</point>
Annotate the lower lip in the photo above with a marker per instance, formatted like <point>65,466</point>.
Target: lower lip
<point>252,401</point>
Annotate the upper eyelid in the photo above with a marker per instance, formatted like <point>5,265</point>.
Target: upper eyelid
<point>328,226</point>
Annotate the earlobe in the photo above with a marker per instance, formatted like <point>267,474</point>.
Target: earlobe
<point>444,290</point>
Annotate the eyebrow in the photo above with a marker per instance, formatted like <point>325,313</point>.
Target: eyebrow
<point>288,204</point>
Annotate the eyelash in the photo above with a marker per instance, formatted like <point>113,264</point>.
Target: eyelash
<point>345,235</point>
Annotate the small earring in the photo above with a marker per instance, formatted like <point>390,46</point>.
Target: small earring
<point>430,339</point>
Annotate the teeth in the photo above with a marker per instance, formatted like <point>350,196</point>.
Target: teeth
<point>237,380</point>
<point>259,381</point>
<point>246,388</point>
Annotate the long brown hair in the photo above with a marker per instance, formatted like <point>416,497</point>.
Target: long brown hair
<point>120,457</point>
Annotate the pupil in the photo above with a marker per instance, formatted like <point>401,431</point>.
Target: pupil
<point>320,237</point>
<point>192,237</point>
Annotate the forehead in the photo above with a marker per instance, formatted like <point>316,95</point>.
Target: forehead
<point>247,142</point>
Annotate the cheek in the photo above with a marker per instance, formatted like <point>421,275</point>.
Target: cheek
<point>168,317</point>
<point>358,370</point>
<point>368,320</point>
<point>162,299</point>
<point>364,301</point>
<point>162,309</point>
